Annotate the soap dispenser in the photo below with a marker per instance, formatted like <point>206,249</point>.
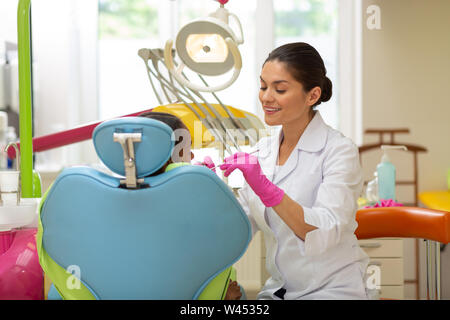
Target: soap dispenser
<point>386,174</point>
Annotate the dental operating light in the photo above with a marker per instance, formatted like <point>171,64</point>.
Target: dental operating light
<point>208,46</point>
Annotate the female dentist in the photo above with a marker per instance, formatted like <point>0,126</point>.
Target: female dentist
<point>301,190</point>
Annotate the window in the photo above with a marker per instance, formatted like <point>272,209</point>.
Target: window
<point>65,75</point>
<point>124,28</point>
<point>87,68</point>
<point>314,22</point>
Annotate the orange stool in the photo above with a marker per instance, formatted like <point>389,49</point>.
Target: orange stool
<point>409,222</point>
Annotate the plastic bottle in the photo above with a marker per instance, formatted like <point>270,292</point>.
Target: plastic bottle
<point>372,189</point>
<point>386,174</point>
<point>11,136</point>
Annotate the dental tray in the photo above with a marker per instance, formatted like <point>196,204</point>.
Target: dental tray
<point>16,216</point>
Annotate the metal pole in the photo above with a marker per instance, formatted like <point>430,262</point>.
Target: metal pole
<point>429,269</point>
<point>437,268</point>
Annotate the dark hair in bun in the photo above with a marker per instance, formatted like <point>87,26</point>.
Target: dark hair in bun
<point>306,66</point>
<point>327,90</point>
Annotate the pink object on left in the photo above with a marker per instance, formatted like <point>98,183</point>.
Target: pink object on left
<point>21,276</point>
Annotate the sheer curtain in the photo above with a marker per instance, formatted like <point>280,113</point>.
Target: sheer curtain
<point>65,75</point>
<point>124,28</point>
<point>316,23</point>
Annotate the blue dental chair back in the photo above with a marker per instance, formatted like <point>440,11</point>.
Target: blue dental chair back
<point>166,239</point>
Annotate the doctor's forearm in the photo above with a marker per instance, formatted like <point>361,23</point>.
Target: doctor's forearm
<point>293,215</point>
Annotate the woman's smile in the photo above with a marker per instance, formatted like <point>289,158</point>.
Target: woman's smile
<point>268,110</point>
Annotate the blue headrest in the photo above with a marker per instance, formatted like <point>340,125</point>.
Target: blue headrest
<point>150,154</point>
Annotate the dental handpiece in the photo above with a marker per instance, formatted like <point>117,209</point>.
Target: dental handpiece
<point>223,163</point>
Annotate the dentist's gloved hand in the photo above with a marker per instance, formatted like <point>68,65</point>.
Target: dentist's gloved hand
<point>207,162</point>
<point>269,193</point>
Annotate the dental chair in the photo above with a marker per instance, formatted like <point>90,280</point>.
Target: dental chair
<point>134,236</point>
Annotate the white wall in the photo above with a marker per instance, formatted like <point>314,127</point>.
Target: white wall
<point>406,81</point>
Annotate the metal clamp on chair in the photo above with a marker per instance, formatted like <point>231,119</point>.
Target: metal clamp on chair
<point>127,141</point>
<point>410,222</point>
<point>173,235</point>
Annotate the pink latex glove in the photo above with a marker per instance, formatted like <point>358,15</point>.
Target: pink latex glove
<point>269,193</point>
<point>207,162</point>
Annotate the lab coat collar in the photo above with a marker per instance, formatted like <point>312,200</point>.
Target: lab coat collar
<point>314,137</point>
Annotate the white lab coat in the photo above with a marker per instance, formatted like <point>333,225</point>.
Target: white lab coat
<point>323,175</point>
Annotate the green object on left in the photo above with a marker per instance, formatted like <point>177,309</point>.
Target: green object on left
<point>58,274</point>
<point>37,190</point>
<point>25,98</point>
